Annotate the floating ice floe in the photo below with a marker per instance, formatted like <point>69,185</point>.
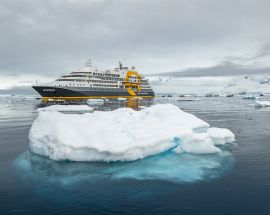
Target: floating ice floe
<point>123,134</point>
<point>121,99</point>
<point>262,104</point>
<point>252,97</point>
<point>69,108</point>
<point>95,101</point>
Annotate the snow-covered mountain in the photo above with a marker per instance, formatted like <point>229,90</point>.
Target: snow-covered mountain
<point>224,78</point>
<point>225,68</point>
<point>211,84</point>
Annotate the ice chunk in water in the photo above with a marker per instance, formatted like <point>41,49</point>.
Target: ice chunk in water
<point>95,101</point>
<point>262,104</point>
<point>123,134</point>
<point>69,108</point>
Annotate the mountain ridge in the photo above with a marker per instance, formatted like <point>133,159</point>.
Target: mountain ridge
<point>223,69</point>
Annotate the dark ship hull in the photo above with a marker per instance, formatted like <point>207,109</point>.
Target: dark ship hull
<point>50,92</point>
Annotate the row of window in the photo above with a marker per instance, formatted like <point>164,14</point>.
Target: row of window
<point>99,76</point>
<point>81,73</point>
<point>85,80</point>
<point>116,79</point>
<point>71,76</point>
<point>132,79</point>
<point>88,76</point>
<point>103,85</point>
<point>106,89</point>
<point>98,81</point>
<point>104,74</point>
<point>109,87</point>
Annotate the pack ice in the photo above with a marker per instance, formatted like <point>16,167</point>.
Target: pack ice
<point>123,134</point>
<point>262,104</point>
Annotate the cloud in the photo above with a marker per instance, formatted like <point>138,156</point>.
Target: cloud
<point>8,82</point>
<point>226,68</point>
<point>54,36</point>
<point>262,52</point>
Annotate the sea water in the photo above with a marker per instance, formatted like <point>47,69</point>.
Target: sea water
<point>235,181</point>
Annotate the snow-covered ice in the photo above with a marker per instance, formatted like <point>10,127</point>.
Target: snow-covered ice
<point>65,108</point>
<point>95,101</point>
<point>123,134</point>
<point>262,104</point>
<point>221,136</point>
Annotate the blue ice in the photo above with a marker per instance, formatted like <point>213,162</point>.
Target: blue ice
<point>168,166</point>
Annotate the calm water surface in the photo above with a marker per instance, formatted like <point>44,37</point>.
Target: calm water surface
<point>236,181</point>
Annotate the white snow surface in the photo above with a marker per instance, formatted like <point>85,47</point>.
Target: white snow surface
<point>123,134</point>
<point>262,103</point>
<point>65,108</point>
<point>221,136</point>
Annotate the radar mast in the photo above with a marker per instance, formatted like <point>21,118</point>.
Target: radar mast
<point>88,63</point>
<point>120,65</point>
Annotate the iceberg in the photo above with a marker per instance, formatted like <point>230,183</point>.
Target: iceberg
<point>262,104</point>
<point>123,134</point>
<point>70,108</point>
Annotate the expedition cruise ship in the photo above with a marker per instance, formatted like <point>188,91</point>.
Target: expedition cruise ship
<point>88,82</point>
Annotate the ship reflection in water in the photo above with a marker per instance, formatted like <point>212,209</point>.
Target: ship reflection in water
<point>107,104</point>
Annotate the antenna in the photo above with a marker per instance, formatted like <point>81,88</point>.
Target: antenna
<point>120,65</point>
<point>88,63</point>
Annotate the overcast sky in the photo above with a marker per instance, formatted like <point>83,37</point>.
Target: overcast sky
<point>52,37</point>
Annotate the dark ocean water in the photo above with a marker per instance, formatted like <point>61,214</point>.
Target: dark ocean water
<point>237,181</point>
